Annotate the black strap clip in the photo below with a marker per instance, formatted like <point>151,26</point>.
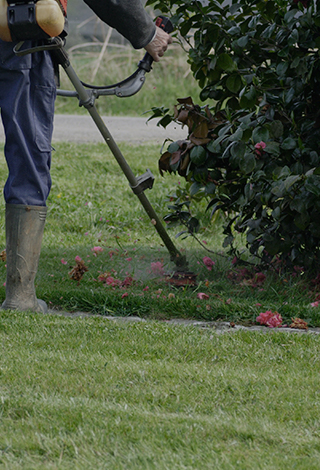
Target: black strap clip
<point>144,182</point>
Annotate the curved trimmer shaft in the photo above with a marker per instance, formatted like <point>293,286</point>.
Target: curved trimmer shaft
<point>138,185</point>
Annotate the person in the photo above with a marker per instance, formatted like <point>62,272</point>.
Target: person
<point>27,96</point>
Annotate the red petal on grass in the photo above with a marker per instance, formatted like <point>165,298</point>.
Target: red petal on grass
<point>202,296</point>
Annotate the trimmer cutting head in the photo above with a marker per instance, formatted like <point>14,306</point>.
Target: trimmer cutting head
<point>182,279</point>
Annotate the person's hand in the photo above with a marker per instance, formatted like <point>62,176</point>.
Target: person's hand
<point>159,44</point>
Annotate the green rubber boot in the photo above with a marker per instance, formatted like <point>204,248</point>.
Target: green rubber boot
<point>24,232</point>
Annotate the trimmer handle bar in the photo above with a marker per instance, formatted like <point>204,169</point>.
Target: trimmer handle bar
<point>127,87</point>
<point>131,85</point>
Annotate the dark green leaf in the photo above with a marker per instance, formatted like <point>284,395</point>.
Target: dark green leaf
<point>226,63</point>
<point>276,129</point>
<point>278,189</point>
<point>302,220</point>
<point>260,134</point>
<point>237,136</point>
<point>195,188</point>
<point>276,213</point>
<point>288,182</point>
<point>210,188</point>
<point>282,68</point>
<point>293,38</point>
<point>238,149</point>
<point>198,155</point>
<point>173,147</point>
<point>312,184</point>
<point>234,83</point>
<point>288,144</point>
<point>247,163</point>
<point>243,41</point>
<point>289,96</point>
<point>273,148</point>
<point>298,204</point>
<point>165,121</point>
<point>193,225</point>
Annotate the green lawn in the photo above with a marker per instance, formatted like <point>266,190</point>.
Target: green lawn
<point>97,394</point>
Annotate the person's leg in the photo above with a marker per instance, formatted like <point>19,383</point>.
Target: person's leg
<point>24,231</point>
<point>27,98</point>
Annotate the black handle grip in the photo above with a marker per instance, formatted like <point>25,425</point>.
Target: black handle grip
<point>165,24</point>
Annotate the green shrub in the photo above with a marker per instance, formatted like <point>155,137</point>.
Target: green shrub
<point>255,152</point>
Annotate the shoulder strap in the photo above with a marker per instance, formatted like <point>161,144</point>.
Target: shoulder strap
<point>62,2</point>
<point>64,5</point>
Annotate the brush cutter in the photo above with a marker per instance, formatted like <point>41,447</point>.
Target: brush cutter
<point>87,94</point>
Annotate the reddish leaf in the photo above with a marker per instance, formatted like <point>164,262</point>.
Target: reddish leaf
<point>187,100</point>
<point>198,141</point>
<point>164,163</point>
<point>175,157</point>
<point>201,130</point>
<point>299,324</point>
<point>78,271</point>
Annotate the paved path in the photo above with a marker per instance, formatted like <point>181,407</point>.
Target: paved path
<point>82,129</point>
<point>220,327</point>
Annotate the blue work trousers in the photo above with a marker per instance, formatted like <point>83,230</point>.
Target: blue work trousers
<point>27,96</point>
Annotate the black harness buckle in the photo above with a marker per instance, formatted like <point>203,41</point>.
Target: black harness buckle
<point>22,21</point>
